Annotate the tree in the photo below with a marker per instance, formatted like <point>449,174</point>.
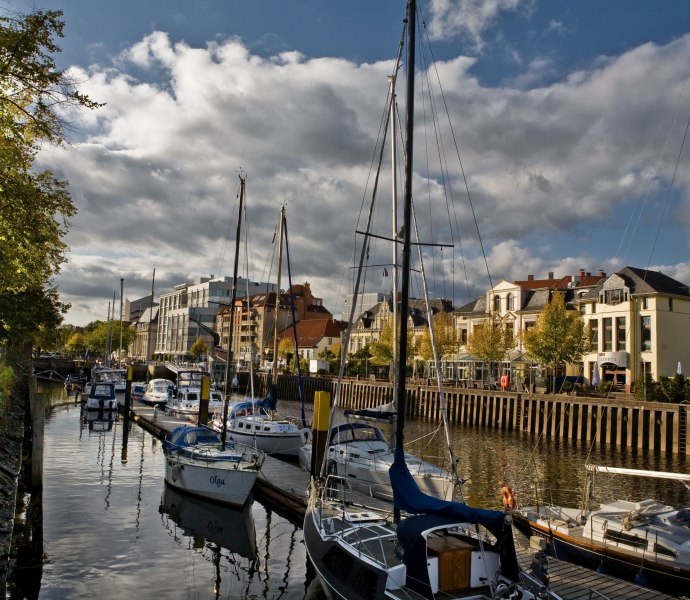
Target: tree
<point>382,350</point>
<point>97,334</point>
<point>490,341</point>
<point>559,336</point>
<point>76,344</point>
<point>445,335</point>
<point>199,348</point>
<point>286,350</point>
<point>35,207</point>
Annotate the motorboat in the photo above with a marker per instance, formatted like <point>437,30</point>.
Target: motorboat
<point>199,462</point>
<point>645,541</point>
<point>101,397</point>
<point>157,391</point>
<point>186,394</point>
<point>118,377</point>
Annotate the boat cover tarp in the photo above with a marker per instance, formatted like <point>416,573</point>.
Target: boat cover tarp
<point>188,436</point>
<point>431,512</point>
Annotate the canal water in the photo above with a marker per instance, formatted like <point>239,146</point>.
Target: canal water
<point>111,528</point>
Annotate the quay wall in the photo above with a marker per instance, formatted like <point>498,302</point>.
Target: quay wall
<point>621,421</point>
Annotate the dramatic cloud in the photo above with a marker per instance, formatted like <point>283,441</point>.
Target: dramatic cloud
<point>154,173</point>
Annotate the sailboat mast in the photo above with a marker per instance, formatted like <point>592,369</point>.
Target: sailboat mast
<point>149,339</point>
<point>274,378</point>
<point>394,200</point>
<point>407,219</point>
<point>233,297</point>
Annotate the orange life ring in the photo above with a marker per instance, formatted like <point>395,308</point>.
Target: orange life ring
<point>505,381</point>
<point>508,498</point>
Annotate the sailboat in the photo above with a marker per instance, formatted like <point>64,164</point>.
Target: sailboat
<point>645,540</point>
<point>205,463</point>
<point>421,546</point>
<point>253,421</point>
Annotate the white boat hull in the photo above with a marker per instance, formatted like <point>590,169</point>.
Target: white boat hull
<point>230,485</point>
<point>271,442</point>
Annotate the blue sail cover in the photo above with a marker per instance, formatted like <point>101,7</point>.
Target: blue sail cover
<point>408,497</point>
<point>431,513</point>
<point>188,436</point>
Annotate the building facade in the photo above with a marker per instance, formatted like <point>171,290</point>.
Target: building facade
<point>188,313</point>
<point>639,321</point>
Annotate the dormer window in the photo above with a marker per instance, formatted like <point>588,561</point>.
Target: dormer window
<point>613,296</point>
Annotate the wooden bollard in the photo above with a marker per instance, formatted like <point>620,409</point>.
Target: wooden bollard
<point>203,400</point>
<point>128,390</point>
<point>320,430</point>
<point>37,407</point>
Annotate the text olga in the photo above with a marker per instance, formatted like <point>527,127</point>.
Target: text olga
<point>217,481</point>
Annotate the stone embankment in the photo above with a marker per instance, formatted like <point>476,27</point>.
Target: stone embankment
<point>12,410</point>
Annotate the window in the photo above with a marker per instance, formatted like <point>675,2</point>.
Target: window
<point>509,331</point>
<point>613,296</point>
<point>463,336</point>
<point>509,302</point>
<point>608,334</point>
<point>497,303</point>
<point>646,333</point>
<point>621,333</point>
<point>644,303</point>
<point>670,305</point>
<point>594,335</point>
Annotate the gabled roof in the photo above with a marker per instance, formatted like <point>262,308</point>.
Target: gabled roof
<point>643,281</point>
<point>311,331</point>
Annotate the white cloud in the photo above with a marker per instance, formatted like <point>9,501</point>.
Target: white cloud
<point>154,174</point>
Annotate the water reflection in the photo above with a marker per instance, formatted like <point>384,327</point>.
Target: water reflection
<point>112,529</point>
<point>552,468</point>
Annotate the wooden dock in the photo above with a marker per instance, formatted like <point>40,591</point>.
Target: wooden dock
<point>279,482</point>
<point>573,582</point>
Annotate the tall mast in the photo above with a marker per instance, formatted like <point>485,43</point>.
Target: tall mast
<point>394,200</point>
<point>277,312</point>
<point>407,219</point>
<point>148,342</point>
<point>119,351</point>
<point>233,297</point>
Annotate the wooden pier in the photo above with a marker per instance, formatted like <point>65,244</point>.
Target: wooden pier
<point>617,420</point>
<point>279,482</point>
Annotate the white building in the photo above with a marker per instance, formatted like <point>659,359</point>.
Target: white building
<point>188,312</point>
<point>639,322</point>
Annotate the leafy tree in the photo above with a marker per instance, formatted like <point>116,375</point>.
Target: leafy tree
<point>359,361</point>
<point>558,337</point>
<point>382,351</point>
<point>35,207</point>
<point>96,337</point>
<point>490,341</point>
<point>445,335</point>
<point>76,344</point>
<point>199,348</point>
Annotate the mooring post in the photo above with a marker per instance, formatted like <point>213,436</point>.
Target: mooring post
<point>319,428</point>
<point>203,401</point>
<point>36,406</point>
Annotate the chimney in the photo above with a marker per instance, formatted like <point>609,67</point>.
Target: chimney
<point>582,273</point>
<point>602,273</point>
<point>550,274</point>
<point>530,278</point>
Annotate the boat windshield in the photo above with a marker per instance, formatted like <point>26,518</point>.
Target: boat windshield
<point>356,432</point>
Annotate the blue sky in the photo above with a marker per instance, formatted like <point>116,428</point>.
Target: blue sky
<point>569,116</point>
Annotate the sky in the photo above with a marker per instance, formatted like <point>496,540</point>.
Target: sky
<point>569,119</point>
